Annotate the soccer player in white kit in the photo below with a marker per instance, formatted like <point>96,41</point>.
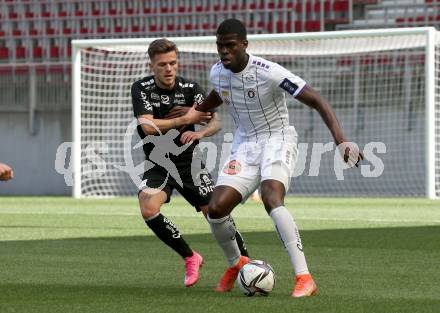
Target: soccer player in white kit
<point>264,150</point>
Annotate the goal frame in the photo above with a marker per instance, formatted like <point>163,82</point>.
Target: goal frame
<point>429,32</point>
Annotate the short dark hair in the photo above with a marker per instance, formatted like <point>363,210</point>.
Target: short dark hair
<point>232,26</point>
<point>162,45</point>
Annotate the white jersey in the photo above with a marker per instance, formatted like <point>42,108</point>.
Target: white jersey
<point>256,96</point>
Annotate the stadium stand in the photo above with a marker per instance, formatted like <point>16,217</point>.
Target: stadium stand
<point>34,31</point>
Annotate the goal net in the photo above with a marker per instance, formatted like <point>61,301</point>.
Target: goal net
<point>383,85</point>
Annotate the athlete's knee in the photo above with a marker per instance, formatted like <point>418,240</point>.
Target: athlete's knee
<point>223,201</point>
<point>216,209</point>
<point>272,196</point>
<point>148,206</point>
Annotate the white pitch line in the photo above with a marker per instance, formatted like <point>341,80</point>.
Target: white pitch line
<point>334,219</point>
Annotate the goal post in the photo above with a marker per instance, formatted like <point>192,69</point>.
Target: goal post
<point>384,85</point>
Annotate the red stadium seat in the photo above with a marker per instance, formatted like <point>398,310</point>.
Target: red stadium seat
<point>317,6</point>
<point>312,26</point>
<point>16,32</point>
<point>37,52</point>
<point>341,6</point>
<point>280,26</point>
<point>20,52</point>
<point>54,52</point>
<point>4,53</point>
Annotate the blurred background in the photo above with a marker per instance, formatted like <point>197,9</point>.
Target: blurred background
<point>35,57</point>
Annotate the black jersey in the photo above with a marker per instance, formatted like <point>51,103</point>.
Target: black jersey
<point>148,98</point>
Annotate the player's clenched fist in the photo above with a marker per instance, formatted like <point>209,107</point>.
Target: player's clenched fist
<point>350,153</point>
<point>6,172</point>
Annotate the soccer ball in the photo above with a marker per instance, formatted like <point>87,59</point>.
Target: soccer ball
<point>256,278</point>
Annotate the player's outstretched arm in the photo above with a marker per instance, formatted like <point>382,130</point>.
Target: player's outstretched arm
<point>208,130</point>
<point>312,98</point>
<point>6,172</point>
<point>150,124</point>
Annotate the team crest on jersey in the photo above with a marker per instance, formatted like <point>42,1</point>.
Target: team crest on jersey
<point>225,96</point>
<point>249,77</point>
<point>251,93</point>
<point>232,168</point>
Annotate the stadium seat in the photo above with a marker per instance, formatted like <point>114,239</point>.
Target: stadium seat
<point>312,26</point>
<point>50,31</point>
<point>54,51</point>
<point>20,52</point>
<point>33,32</point>
<point>4,53</point>
<point>16,32</point>
<point>37,52</point>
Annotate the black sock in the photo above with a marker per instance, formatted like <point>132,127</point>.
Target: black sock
<point>241,244</point>
<point>166,231</point>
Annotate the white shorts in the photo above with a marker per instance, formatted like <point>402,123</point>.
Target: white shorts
<point>252,162</point>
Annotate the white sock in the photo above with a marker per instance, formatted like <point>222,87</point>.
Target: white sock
<point>289,234</point>
<point>223,230</point>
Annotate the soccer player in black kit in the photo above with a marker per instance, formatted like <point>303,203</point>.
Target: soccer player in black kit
<point>164,105</point>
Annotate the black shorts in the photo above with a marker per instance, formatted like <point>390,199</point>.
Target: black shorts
<point>196,191</point>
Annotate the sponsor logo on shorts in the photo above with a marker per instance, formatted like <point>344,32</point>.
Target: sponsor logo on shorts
<point>232,168</point>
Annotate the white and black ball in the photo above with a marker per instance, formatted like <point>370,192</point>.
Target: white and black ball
<point>256,278</point>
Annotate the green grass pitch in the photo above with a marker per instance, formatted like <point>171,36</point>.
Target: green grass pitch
<point>66,255</point>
